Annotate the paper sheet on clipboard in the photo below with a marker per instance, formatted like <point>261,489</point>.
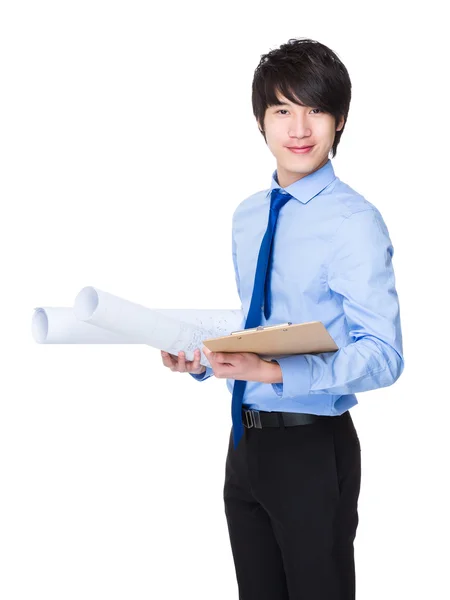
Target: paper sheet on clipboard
<point>276,341</point>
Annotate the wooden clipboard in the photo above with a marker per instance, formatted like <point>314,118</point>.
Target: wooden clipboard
<point>270,341</point>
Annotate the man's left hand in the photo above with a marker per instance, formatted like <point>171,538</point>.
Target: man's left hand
<point>246,366</point>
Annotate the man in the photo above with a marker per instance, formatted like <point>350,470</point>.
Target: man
<point>292,478</point>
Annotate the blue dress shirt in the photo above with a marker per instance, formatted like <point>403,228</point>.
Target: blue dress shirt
<point>332,262</point>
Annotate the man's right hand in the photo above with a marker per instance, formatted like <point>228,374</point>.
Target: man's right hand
<point>181,365</point>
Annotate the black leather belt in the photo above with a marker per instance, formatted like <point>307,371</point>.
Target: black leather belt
<point>259,419</point>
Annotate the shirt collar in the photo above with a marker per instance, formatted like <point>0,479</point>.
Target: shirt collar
<point>307,187</point>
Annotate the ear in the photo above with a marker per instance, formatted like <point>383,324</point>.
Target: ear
<point>341,124</point>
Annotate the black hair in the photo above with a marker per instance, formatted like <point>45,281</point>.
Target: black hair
<point>306,72</point>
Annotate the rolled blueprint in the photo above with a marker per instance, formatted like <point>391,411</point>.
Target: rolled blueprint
<point>59,325</point>
<point>102,318</point>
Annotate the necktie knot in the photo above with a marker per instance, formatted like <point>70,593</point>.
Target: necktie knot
<point>278,199</point>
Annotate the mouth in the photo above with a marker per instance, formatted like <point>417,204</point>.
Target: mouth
<point>298,150</point>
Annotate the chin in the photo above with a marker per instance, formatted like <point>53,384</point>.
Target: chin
<point>300,166</point>
<point>300,161</point>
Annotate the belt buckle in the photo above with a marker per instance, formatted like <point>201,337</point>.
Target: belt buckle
<point>256,419</point>
<point>248,419</point>
<point>252,418</point>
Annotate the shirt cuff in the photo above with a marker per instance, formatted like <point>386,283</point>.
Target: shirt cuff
<point>202,376</point>
<point>296,377</point>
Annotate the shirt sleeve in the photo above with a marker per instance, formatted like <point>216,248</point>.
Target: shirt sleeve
<point>361,274</point>
<point>202,376</point>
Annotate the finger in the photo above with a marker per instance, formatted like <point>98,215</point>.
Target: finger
<point>227,357</point>
<point>196,361</point>
<point>197,357</point>
<point>181,362</point>
<point>168,359</point>
<point>191,364</point>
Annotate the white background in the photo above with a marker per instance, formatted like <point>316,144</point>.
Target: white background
<point>127,141</point>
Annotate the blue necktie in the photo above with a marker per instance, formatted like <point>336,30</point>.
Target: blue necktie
<point>261,289</point>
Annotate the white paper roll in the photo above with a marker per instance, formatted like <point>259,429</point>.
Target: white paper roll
<point>59,325</point>
<point>102,318</point>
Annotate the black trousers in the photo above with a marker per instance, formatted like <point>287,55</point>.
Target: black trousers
<point>291,497</point>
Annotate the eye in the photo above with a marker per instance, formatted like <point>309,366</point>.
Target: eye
<point>285,110</point>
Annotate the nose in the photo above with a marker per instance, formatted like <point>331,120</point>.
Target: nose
<point>299,126</point>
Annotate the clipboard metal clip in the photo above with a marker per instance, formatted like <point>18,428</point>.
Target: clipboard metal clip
<point>262,327</point>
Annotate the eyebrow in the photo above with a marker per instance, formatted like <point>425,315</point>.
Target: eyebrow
<point>287,104</point>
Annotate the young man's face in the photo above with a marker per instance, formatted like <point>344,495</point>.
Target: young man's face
<point>295,125</point>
